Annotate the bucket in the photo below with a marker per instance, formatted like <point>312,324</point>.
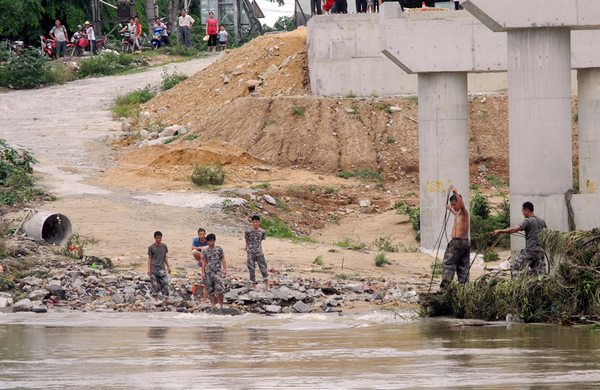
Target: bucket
<point>53,228</point>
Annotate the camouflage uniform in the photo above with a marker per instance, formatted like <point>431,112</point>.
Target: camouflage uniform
<point>255,254</point>
<point>456,259</point>
<point>159,282</point>
<point>533,255</point>
<point>535,259</point>
<point>214,280</point>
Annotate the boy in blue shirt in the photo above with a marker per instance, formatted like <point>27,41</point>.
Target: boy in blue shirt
<point>200,243</point>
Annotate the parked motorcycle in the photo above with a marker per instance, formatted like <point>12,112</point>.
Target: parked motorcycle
<point>127,42</point>
<point>78,46</point>
<point>48,46</point>
<point>156,41</point>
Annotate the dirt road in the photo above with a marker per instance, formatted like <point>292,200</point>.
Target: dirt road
<point>66,127</point>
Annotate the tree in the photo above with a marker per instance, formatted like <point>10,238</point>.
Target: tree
<point>285,23</point>
<point>20,19</point>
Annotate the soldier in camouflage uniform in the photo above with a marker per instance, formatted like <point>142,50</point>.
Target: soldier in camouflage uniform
<point>533,256</point>
<point>157,260</point>
<point>254,237</point>
<point>214,267</point>
<point>456,257</point>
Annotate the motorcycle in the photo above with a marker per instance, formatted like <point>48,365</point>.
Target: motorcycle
<point>17,47</point>
<point>156,41</point>
<point>127,42</point>
<point>77,46</point>
<point>48,46</point>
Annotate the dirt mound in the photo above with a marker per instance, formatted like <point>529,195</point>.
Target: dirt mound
<point>276,63</point>
<point>211,153</point>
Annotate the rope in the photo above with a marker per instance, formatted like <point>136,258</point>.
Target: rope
<point>438,242</point>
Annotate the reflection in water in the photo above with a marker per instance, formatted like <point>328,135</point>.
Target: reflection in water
<point>157,332</point>
<point>314,351</point>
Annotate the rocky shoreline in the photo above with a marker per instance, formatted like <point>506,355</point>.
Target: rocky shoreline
<point>38,279</point>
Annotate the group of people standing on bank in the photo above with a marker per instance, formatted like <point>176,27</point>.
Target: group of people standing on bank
<point>211,261</point>
<point>457,255</point>
<point>215,34</point>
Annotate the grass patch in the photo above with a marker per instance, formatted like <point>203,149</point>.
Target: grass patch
<point>173,138</point>
<point>381,260</point>
<point>348,243</point>
<point>328,190</point>
<point>491,256</point>
<point>351,95</point>
<point>298,110</point>
<point>318,261</point>
<point>105,65</point>
<point>495,181</point>
<point>281,204</point>
<point>205,175</point>
<point>275,227</point>
<point>390,140</point>
<point>384,244</point>
<point>128,105</point>
<point>413,99</point>
<point>261,186</point>
<point>362,174</point>
<point>169,80</point>
<point>381,106</point>
<point>190,137</point>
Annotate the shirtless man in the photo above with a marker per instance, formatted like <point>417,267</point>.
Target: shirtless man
<point>456,258</point>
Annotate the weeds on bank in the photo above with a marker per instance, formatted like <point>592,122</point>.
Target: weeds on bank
<point>384,244</point>
<point>275,227</point>
<point>261,186</point>
<point>381,260</point>
<point>318,261</point>
<point>348,243</point>
<point>414,216</point>
<point>128,105</point>
<point>75,247</point>
<point>17,182</point>
<point>298,111</point>
<point>190,137</point>
<point>483,222</point>
<point>206,175</point>
<point>105,65</point>
<point>362,174</point>
<point>169,80</point>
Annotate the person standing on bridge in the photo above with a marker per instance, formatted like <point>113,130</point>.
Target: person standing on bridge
<point>533,255</point>
<point>185,24</point>
<point>456,257</point>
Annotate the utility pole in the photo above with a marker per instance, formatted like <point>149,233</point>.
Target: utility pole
<point>236,20</point>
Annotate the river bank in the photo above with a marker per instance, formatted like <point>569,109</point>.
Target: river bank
<point>38,278</point>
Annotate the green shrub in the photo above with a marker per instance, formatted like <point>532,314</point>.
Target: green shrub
<point>16,175</point>
<point>414,216</point>
<point>169,80</point>
<point>275,227</point>
<point>318,260</point>
<point>491,256</point>
<point>261,186</point>
<point>29,70</point>
<point>329,190</point>
<point>105,65</point>
<point>298,111</point>
<point>190,137</point>
<point>204,175</point>
<point>381,260</point>
<point>483,223</point>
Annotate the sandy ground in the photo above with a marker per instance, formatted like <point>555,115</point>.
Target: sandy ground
<point>69,128</point>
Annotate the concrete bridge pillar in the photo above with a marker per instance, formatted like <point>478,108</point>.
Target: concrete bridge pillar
<point>443,148</point>
<point>588,81</point>
<point>539,111</point>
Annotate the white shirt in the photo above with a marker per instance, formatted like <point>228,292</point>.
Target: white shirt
<point>186,21</point>
<point>59,33</point>
<point>90,33</point>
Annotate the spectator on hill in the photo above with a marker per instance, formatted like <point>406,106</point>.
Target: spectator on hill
<point>212,29</point>
<point>186,22</point>
<point>60,36</point>
<point>91,36</point>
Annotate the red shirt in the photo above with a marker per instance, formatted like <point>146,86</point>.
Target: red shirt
<point>212,26</point>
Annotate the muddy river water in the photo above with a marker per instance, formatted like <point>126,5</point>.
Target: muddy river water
<point>375,350</point>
